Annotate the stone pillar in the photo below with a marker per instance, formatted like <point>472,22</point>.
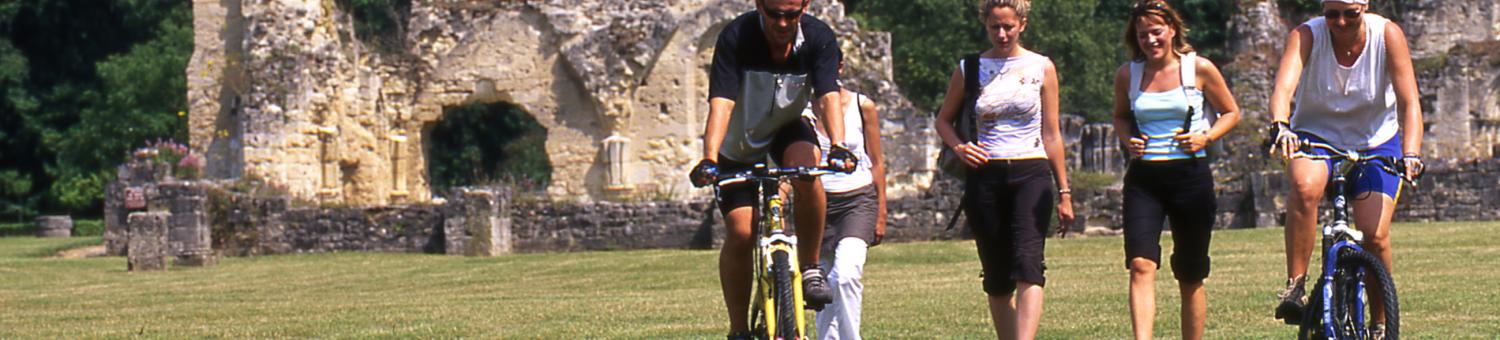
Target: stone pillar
<point>478,224</point>
<point>54,226</point>
<point>148,240</point>
<point>188,230</point>
<point>617,176</point>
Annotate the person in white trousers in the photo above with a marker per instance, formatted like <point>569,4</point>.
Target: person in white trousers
<point>856,216</point>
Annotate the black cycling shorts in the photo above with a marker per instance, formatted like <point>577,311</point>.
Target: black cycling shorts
<point>1178,190</point>
<point>1009,206</point>
<point>743,194</point>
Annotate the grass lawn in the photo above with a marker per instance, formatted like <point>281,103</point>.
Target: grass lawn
<point>1446,272</point>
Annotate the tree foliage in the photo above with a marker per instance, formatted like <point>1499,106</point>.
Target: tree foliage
<point>479,143</point>
<point>1084,39</point>
<point>81,83</point>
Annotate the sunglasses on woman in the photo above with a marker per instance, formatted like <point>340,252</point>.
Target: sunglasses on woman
<point>1348,13</point>
<point>1144,7</point>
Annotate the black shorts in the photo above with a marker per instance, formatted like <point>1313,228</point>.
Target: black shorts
<point>1179,190</point>
<point>743,194</point>
<point>1009,206</point>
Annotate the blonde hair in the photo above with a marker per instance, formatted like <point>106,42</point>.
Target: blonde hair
<point>987,6</point>
<point>1160,9</point>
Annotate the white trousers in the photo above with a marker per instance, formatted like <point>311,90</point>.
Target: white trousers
<point>840,319</point>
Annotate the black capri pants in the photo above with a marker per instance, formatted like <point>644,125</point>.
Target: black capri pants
<point>1009,206</point>
<point>1182,191</point>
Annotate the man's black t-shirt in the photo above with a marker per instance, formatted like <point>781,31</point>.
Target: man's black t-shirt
<point>742,47</point>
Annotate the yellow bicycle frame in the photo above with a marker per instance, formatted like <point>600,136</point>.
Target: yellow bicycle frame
<point>772,241</point>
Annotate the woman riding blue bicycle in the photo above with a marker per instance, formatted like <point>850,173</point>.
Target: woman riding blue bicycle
<point>1351,74</point>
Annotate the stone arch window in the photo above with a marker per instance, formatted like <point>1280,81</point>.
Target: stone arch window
<point>478,144</point>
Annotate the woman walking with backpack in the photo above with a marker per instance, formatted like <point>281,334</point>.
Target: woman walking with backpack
<point>1012,162</point>
<point>1161,117</point>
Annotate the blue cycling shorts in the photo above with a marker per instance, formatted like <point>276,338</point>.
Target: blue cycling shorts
<point>1368,177</point>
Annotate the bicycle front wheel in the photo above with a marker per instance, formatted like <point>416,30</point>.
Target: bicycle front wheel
<point>786,313</point>
<point>1374,270</point>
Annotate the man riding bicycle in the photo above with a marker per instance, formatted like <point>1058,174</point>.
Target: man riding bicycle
<point>767,65</point>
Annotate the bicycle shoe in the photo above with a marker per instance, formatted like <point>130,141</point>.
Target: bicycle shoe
<point>1292,300</point>
<point>815,288</point>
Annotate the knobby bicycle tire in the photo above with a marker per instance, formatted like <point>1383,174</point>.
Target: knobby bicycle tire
<point>1375,269</point>
<point>1312,314</point>
<point>1312,322</point>
<point>786,314</point>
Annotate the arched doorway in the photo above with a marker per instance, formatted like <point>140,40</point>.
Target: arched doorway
<point>481,144</point>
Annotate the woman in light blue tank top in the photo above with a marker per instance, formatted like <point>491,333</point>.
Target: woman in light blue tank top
<point>1161,111</point>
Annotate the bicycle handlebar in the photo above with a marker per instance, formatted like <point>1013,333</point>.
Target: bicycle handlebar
<point>1389,164</point>
<point>761,172</point>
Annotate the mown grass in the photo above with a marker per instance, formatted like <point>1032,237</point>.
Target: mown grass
<point>930,290</point>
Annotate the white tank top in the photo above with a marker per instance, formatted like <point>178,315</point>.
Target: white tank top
<point>854,137</point>
<point>1010,106</point>
<point>1350,107</point>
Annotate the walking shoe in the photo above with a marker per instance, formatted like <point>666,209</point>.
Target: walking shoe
<point>1377,331</point>
<point>1291,298</point>
<point>815,288</point>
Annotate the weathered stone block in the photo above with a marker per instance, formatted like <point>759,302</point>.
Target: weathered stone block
<point>479,224</point>
<point>116,229</point>
<point>54,226</point>
<point>148,241</point>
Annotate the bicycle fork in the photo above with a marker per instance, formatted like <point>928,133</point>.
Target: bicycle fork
<point>778,242</point>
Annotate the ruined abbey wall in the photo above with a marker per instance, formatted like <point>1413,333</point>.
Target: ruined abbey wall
<point>283,90</point>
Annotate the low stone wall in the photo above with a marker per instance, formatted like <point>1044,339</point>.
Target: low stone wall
<point>1454,191</point>
<point>548,226</point>
<point>202,219</point>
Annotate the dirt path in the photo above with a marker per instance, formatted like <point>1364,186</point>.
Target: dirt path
<point>82,252</point>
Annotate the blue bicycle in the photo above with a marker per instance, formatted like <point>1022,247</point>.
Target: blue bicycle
<point>1337,308</point>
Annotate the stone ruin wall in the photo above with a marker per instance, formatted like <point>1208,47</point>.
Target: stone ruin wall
<point>328,121</point>
<point>283,90</point>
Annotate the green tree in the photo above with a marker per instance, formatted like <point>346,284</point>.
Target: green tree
<point>1084,38</point>
<point>80,83</point>
<point>379,22</point>
<point>480,143</point>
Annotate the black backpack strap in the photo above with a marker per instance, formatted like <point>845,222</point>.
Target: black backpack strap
<point>971,80</point>
<point>971,96</point>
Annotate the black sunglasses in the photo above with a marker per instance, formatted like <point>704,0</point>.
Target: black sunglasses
<point>1348,13</point>
<point>1142,7</point>
<point>784,15</point>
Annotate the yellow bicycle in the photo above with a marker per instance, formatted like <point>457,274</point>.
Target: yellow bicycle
<point>777,310</point>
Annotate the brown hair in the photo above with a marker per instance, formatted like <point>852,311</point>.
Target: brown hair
<point>1161,9</point>
<point>986,6</point>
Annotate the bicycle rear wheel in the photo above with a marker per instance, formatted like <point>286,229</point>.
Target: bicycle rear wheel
<point>1375,270</point>
<point>786,313</point>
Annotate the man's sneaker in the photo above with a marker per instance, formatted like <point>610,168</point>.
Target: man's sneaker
<point>815,288</point>
<point>1291,298</point>
<point>1377,331</point>
<point>746,335</point>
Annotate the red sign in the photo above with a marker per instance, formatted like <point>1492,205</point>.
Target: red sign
<point>135,198</point>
